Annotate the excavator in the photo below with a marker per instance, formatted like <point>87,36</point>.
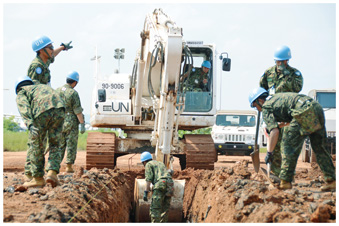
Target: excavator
<point>153,103</point>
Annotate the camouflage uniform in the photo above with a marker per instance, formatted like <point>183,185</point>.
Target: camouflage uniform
<point>195,81</point>
<point>71,123</point>
<point>38,71</point>
<point>157,174</point>
<point>279,108</point>
<point>290,80</point>
<point>40,106</point>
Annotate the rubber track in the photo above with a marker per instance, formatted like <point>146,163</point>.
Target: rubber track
<point>100,150</point>
<point>200,151</point>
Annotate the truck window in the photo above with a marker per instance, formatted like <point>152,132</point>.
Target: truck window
<point>326,100</point>
<point>235,120</point>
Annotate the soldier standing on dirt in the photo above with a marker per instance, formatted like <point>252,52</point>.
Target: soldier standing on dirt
<point>73,116</point>
<point>38,70</point>
<point>306,118</point>
<point>279,79</point>
<point>198,78</point>
<point>157,174</point>
<point>43,112</point>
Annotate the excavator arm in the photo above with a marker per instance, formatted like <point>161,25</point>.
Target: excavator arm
<point>162,47</point>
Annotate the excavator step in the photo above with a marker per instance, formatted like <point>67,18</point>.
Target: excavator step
<point>200,151</point>
<point>100,150</point>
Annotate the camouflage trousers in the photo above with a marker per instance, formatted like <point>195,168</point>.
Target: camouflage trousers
<point>160,206</point>
<point>71,133</point>
<point>291,146</point>
<point>48,124</point>
<point>276,163</point>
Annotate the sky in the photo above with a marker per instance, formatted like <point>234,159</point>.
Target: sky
<point>248,32</point>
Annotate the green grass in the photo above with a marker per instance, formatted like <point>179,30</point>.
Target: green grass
<point>15,141</point>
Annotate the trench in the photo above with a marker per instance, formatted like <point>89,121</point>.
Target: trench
<point>103,196</point>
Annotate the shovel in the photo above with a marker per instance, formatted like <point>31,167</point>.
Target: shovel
<point>255,153</point>
<point>268,169</point>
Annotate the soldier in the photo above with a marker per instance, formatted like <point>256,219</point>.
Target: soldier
<point>198,78</point>
<point>277,79</point>
<point>43,113</point>
<point>73,116</point>
<point>157,174</point>
<point>38,70</point>
<point>306,118</point>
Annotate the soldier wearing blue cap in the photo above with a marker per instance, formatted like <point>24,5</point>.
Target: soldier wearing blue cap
<point>43,112</point>
<point>163,185</point>
<point>306,118</point>
<point>198,78</point>
<point>279,79</point>
<point>73,116</point>
<point>38,70</point>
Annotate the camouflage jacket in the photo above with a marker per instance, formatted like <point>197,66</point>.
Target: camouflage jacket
<point>38,71</point>
<point>71,99</point>
<point>34,100</point>
<point>290,80</point>
<point>155,171</point>
<point>279,108</point>
<point>196,78</point>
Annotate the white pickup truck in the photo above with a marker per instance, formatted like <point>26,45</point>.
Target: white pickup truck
<point>234,132</point>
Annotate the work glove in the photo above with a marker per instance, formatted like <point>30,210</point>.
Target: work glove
<point>33,130</point>
<point>67,46</point>
<point>269,157</point>
<point>145,196</point>
<point>82,128</point>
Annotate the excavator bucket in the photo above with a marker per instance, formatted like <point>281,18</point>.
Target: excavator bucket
<point>142,208</point>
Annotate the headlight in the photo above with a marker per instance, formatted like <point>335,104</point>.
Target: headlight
<point>249,139</point>
<point>219,137</point>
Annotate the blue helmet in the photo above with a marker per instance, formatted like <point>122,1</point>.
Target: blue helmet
<point>73,75</point>
<point>145,156</point>
<point>21,81</point>
<point>206,64</point>
<point>282,53</point>
<point>255,94</point>
<point>40,43</point>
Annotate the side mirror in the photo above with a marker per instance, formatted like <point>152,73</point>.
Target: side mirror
<point>226,64</point>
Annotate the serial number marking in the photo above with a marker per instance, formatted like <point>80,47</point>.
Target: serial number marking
<point>112,85</point>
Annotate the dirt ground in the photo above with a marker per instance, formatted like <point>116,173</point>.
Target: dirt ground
<point>232,192</point>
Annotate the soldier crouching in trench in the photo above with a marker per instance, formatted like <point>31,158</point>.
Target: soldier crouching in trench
<point>306,118</point>
<point>43,112</point>
<point>157,174</point>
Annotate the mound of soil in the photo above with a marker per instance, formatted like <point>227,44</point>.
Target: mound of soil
<point>87,196</point>
<point>237,195</point>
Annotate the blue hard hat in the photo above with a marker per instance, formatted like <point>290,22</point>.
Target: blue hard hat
<point>73,75</point>
<point>255,94</point>
<point>206,64</point>
<point>21,80</point>
<point>40,42</point>
<point>282,53</point>
<point>145,156</point>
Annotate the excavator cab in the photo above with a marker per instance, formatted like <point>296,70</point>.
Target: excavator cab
<point>201,99</point>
